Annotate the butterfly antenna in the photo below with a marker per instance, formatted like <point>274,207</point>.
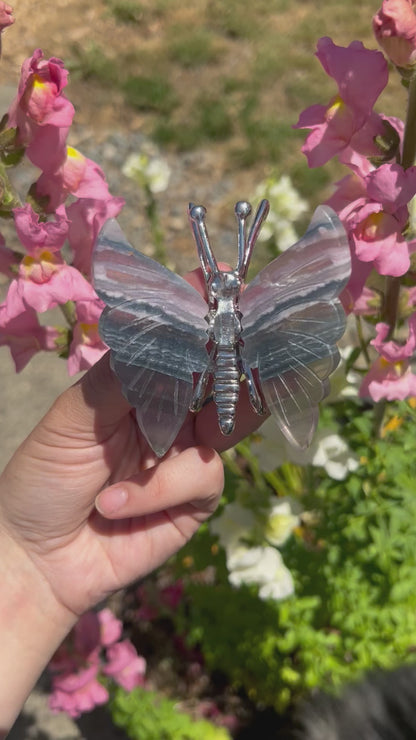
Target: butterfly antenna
<point>199,229</point>
<point>259,218</point>
<point>242,211</point>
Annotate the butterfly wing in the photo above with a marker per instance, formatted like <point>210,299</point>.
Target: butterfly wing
<point>292,319</point>
<point>154,324</point>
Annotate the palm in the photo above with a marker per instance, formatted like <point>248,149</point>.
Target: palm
<point>76,451</point>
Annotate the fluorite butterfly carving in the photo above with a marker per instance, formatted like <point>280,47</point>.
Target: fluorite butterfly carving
<point>280,331</point>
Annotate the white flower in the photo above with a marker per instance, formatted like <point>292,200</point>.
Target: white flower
<point>286,206</point>
<point>282,520</point>
<point>333,454</point>
<point>154,172</point>
<point>262,566</point>
<point>233,526</point>
<point>327,450</point>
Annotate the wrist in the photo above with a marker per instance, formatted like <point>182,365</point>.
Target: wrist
<point>32,626</point>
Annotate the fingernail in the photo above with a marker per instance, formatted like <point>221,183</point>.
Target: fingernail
<point>111,500</point>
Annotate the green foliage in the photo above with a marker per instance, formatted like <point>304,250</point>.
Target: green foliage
<point>149,93</point>
<point>91,63</point>
<point>193,47</point>
<point>126,11</point>
<point>354,569</point>
<point>210,122</point>
<point>213,119</point>
<point>146,715</point>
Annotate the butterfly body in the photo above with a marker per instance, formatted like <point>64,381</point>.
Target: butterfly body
<point>279,331</point>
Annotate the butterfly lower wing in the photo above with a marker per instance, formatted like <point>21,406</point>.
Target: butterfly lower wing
<point>292,320</point>
<point>161,402</point>
<point>294,369</point>
<point>154,325</point>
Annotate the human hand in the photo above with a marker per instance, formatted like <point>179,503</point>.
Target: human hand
<point>89,446</point>
<point>64,546</point>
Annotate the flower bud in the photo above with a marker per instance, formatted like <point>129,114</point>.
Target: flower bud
<point>395,30</point>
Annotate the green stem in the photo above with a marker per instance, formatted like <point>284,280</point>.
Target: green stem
<point>409,140</point>
<point>363,344</point>
<point>409,151</point>
<point>391,298</point>
<point>391,304</point>
<point>158,238</point>
<point>379,411</point>
<point>68,310</point>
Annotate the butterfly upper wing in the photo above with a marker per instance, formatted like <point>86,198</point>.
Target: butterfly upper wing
<point>154,324</point>
<point>291,321</point>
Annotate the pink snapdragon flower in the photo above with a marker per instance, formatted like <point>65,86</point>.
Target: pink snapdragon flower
<point>376,219</point>
<point>87,216</point>
<point>125,666</point>
<point>111,628</point>
<point>392,381</point>
<point>78,663</point>
<point>44,279</point>
<point>75,693</point>
<point>393,351</point>
<point>25,336</point>
<point>390,376</point>
<point>6,18</point>
<point>41,112</point>
<point>395,30</point>
<point>348,121</point>
<point>35,234</point>
<point>368,303</point>
<point>76,175</point>
<point>87,346</point>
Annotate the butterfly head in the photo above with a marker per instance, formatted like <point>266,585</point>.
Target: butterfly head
<point>245,242</point>
<point>225,285</point>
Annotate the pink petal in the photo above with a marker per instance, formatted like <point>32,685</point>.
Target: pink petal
<point>361,74</point>
<point>391,185</point>
<point>35,234</point>
<point>110,627</point>
<point>87,216</point>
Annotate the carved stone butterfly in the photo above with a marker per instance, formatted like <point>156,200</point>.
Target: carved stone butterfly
<point>279,331</point>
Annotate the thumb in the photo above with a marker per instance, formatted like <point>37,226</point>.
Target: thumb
<point>94,402</point>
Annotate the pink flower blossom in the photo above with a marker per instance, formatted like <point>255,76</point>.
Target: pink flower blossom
<point>6,18</point>
<point>348,120</point>
<point>77,176</point>
<point>125,666</point>
<point>376,219</point>
<point>392,381</point>
<point>87,346</point>
<point>393,351</point>
<point>110,627</point>
<point>395,30</point>
<point>25,336</point>
<point>377,239</point>
<point>391,185</point>
<point>41,112</point>
<point>368,303</point>
<point>87,216</point>
<point>77,692</point>
<point>390,376</point>
<point>37,235</point>
<point>44,280</point>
